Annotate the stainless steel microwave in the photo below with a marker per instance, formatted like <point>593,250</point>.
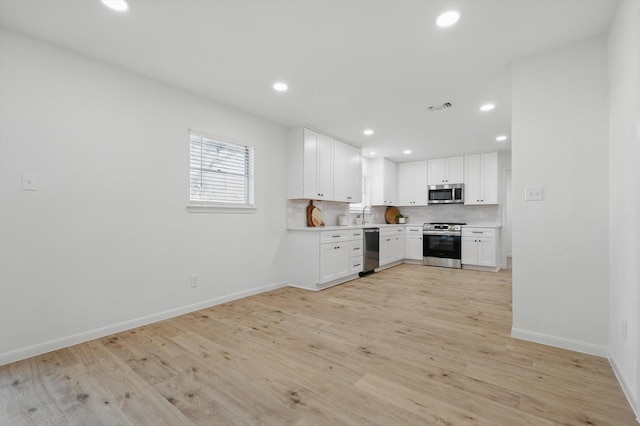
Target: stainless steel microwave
<point>446,194</point>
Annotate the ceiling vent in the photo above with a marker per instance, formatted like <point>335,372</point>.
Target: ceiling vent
<point>440,107</point>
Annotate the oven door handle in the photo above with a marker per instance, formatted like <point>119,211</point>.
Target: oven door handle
<point>446,233</point>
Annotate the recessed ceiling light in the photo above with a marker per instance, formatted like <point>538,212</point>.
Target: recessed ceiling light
<point>119,5</point>
<point>407,151</point>
<point>368,132</point>
<point>448,18</point>
<point>372,153</point>
<point>280,87</point>
<point>501,138</point>
<point>487,107</point>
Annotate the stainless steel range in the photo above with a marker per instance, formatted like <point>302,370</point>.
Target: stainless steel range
<point>441,244</point>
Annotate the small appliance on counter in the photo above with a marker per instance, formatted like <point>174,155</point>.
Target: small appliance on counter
<point>442,244</point>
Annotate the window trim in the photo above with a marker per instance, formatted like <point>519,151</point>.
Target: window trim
<point>201,206</point>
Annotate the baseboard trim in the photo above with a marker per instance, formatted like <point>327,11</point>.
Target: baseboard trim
<point>560,342</point>
<point>628,392</point>
<point>52,345</point>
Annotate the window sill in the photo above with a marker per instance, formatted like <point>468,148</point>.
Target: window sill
<point>200,208</point>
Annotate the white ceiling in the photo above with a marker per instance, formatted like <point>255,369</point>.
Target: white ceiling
<point>350,65</point>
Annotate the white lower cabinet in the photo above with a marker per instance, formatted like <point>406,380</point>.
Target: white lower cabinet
<point>391,244</point>
<point>334,261</point>
<point>413,243</point>
<point>356,251</point>
<point>319,259</point>
<point>479,247</point>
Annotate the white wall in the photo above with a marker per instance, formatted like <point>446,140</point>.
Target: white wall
<point>105,243</point>
<point>624,193</point>
<point>560,244</point>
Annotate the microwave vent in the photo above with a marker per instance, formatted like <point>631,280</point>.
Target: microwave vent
<point>445,105</point>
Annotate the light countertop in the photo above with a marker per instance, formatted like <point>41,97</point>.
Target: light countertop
<point>382,225</point>
<point>334,228</point>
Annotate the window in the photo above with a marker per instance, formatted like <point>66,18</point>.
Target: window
<point>366,197</point>
<point>221,175</point>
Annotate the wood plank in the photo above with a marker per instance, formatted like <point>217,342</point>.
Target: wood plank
<point>408,345</point>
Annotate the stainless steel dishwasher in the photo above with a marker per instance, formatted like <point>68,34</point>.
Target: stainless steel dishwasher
<point>371,250</point>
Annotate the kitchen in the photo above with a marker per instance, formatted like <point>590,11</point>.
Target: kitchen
<point>95,113</point>
<point>457,195</point>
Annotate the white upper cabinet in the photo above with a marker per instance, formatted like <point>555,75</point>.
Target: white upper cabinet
<point>444,171</point>
<point>481,178</point>
<point>310,161</point>
<point>383,182</point>
<point>412,183</point>
<point>347,173</point>
<point>354,174</point>
<point>321,168</point>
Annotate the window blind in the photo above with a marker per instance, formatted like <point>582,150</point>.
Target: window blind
<point>221,173</point>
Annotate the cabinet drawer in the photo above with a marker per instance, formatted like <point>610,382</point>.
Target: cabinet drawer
<point>355,248</point>
<point>479,232</point>
<point>413,230</point>
<point>355,264</point>
<point>391,231</point>
<point>333,236</point>
<point>355,234</point>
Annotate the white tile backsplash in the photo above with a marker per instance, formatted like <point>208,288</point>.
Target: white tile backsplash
<point>297,213</point>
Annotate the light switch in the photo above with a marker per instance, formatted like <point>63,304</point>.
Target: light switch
<point>29,182</point>
<point>533,193</point>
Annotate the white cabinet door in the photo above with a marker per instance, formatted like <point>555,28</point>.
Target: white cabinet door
<point>481,178</point>
<point>387,249</point>
<point>321,168</point>
<point>420,183</point>
<point>437,171</point>
<point>489,178</point>
<point>487,252</point>
<point>405,184</point>
<point>327,262</point>
<point>472,179</point>
<point>446,170</point>
<point>334,261</point>
<point>455,169</point>
<point>383,182</point>
<point>325,168</point>
<point>479,247</point>
<point>399,247</point>
<point>413,243</point>
<point>390,183</point>
<point>341,262</point>
<point>412,184</point>
<point>470,251</point>
<point>340,172</point>
<point>310,167</point>
<point>391,244</point>
<point>318,166</point>
<point>354,174</point>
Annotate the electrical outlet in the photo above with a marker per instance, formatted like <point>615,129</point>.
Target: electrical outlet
<point>533,193</point>
<point>193,281</point>
<point>623,330</point>
<point>29,182</point>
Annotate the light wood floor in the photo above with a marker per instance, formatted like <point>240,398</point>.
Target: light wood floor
<point>410,345</point>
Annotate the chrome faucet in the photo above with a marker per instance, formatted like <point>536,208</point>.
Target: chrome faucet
<point>363,210</point>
